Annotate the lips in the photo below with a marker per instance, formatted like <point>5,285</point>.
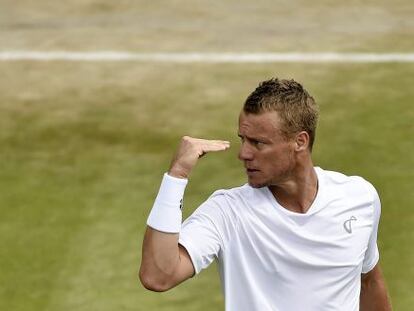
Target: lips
<point>251,170</point>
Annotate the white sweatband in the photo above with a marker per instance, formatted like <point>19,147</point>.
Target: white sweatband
<point>166,214</point>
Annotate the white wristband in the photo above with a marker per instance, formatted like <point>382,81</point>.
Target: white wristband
<point>166,214</point>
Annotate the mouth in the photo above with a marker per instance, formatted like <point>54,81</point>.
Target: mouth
<point>251,170</point>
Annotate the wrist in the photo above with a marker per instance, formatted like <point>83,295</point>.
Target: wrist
<point>166,214</point>
<point>178,173</point>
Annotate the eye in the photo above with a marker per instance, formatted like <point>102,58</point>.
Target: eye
<point>253,142</point>
<point>257,143</point>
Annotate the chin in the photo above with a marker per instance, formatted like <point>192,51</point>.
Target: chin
<point>256,184</point>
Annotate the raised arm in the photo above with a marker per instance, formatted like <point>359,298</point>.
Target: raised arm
<point>164,262</point>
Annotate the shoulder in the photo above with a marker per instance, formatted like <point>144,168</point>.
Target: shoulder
<point>355,190</point>
<point>233,194</point>
<point>222,210</point>
<point>229,202</point>
<point>352,185</point>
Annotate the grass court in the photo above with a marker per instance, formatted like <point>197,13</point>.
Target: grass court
<point>83,145</point>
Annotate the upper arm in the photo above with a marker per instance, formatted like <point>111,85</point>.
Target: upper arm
<point>185,268</point>
<point>200,239</point>
<point>374,295</point>
<point>373,276</point>
<point>164,262</point>
<point>205,233</point>
<point>183,271</point>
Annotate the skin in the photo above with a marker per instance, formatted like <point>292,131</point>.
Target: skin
<point>374,295</point>
<point>165,263</point>
<point>270,159</point>
<point>282,164</point>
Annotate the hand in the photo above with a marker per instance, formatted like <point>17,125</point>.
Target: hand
<point>189,151</point>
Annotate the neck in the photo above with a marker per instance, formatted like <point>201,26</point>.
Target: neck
<point>298,192</point>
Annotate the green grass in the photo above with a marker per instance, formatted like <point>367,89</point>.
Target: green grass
<point>84,146</point>
<point>296,25</point>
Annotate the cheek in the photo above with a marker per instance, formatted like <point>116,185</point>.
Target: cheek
<point>269,162</point>
<point>277,160</point>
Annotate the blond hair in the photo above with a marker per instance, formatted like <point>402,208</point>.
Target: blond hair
<point>295,107</point>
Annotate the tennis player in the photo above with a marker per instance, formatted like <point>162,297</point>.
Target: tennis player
<point>294,238</point>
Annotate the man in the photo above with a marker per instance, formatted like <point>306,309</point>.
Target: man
<point>295,238</point>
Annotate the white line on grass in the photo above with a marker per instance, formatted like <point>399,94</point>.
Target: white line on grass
<point>103,56</point>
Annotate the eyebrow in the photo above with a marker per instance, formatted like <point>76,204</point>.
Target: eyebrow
<point>254,138</point>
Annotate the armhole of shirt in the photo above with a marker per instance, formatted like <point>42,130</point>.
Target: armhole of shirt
<point>190,251</point>
<point>374,197</point>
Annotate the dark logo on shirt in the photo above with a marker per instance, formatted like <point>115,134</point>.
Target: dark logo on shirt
<point>348,224</point>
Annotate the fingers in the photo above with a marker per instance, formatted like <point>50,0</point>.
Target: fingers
<point>209,147</point>
<point>190,150</point>
<point>205,141</point>
<point>204,146</point>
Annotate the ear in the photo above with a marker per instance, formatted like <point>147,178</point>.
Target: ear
<point>302,141</point>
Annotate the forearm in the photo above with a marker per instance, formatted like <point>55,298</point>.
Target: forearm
<point>160,251</point>
<point>374,297</point>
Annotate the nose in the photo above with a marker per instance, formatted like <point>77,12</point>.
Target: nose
<point>245,152</point>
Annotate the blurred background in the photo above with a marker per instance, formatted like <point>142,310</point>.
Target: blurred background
<point>83,145</point>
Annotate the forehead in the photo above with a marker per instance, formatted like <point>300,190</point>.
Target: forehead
<point>266,124</point>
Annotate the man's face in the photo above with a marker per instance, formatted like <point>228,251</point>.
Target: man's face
<point>267,155</point>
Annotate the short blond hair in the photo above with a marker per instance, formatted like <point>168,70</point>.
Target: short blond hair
<point>295,107</point>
